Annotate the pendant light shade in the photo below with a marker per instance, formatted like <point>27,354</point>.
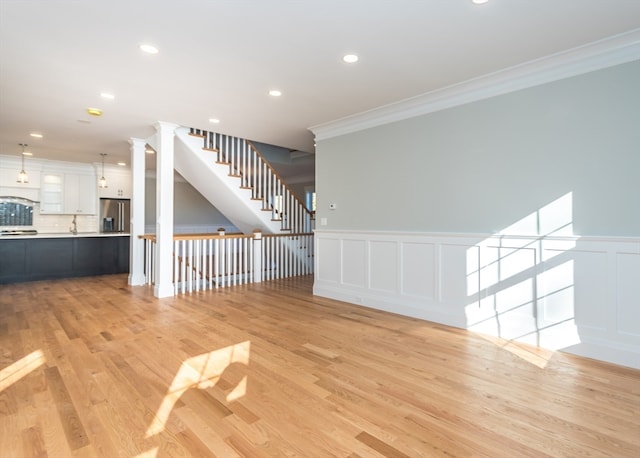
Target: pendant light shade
<point>22,175</point>
<point>102,182</point>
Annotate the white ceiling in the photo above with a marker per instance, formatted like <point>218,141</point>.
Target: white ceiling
<point>219,58</point>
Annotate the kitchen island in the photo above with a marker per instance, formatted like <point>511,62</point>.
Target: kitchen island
<point>62,255</point>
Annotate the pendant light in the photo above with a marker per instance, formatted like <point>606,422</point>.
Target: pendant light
<point>102,182</point>
<point>22,176</point>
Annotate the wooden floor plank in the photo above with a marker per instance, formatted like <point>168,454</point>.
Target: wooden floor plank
<point>269,369</point>
<point>73,428</point>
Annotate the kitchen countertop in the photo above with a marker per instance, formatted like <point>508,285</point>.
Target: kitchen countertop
<point>57,235</point>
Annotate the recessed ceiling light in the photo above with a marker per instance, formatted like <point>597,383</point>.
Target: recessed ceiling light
<point>275,93</point>
<point>479,2</point>
<point>106,95</point>
<point>350,58</point>
<point>122,163</point>
<point>35,135</point>
<point>27,153</point>
<point>214,121</point>
<point>149,49</point>
<point>94,111</point>
<point>149,151</point>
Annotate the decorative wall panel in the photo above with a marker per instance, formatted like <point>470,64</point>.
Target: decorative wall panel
<point>580,295</point>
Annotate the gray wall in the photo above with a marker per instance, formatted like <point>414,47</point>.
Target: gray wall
<point>190,207</point>
<point>481,167</point>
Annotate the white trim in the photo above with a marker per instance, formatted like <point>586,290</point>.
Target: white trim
<point>615,50</point>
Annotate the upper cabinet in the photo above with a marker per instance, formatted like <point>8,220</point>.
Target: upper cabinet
<point>9,185</point>
<point>118,184</point>
<point>52,193</point>
<point>8,178</point>
<point>68,193</point>
<point>80,194</point>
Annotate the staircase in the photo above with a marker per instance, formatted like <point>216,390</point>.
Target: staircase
<point>234,177</point>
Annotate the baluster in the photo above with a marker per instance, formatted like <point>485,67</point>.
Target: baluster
<point>234,260</point>
<point>259,177</point>
<point>272,258</point>
<point>229,267</point>
<point>188,265</point>
<point>266,258</point>
<point>276,258</point>
<point>246,255</point>
<point>243,161</point>
<point>267,188</point>
<point>256,176</point>
<point>209,257</point>
<point>216,262</point>
<point>198,272</point>
<point>295,252</point>
<point>286,257</point>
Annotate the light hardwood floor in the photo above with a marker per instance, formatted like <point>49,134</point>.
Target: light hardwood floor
<point>93,367</point>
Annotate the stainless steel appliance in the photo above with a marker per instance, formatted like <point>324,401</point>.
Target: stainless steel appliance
<point>115,215</point>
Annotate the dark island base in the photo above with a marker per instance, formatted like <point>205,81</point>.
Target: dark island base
<point>32,259</point>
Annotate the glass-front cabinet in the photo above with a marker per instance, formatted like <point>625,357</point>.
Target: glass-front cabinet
<point>51,193</point>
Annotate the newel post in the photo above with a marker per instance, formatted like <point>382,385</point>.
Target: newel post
<point>257,256</point>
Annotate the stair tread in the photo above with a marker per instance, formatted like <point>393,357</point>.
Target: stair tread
<point>214,150</point>
<point>197,135</point>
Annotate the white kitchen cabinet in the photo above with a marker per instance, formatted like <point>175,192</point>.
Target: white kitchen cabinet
<point>118,185</point>
<point>9,175</point>
<point>51,192</point>
<point>80,194</point>
<point>68,193</point>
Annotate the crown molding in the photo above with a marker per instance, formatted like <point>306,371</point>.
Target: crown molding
<point>615,50</point>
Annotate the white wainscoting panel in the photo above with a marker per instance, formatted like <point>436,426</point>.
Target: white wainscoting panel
<point>355,263</point>
<point>418,270</point>
<point>628,300</point>
<point>328,270</point>
<point>384,269</point>
<point>560,292</point>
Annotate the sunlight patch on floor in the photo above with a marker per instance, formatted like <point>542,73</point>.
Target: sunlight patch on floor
<point>202,371</point>
<point>21,368</point>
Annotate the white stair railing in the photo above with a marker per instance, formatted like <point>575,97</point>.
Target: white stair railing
<point>256,174</point>
<point>209,261</point>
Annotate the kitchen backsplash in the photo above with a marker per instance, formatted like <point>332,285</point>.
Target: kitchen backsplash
<point>48,224</point>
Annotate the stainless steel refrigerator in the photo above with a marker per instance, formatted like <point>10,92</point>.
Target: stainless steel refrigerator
<point>115,215</point>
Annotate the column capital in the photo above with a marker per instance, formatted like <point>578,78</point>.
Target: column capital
<point>165,127</point>
<point>137,142</point>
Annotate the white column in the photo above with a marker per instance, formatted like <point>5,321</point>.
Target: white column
<point>136,245</point>
<point>164,209</point>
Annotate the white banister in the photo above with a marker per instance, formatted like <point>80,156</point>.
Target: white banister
<point>219,260</point>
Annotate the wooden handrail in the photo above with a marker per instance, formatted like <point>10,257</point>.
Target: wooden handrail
<point>214,235</point>
<point>235,235</point>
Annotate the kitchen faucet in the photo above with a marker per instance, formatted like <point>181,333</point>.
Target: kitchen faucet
<point>74,229</point>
